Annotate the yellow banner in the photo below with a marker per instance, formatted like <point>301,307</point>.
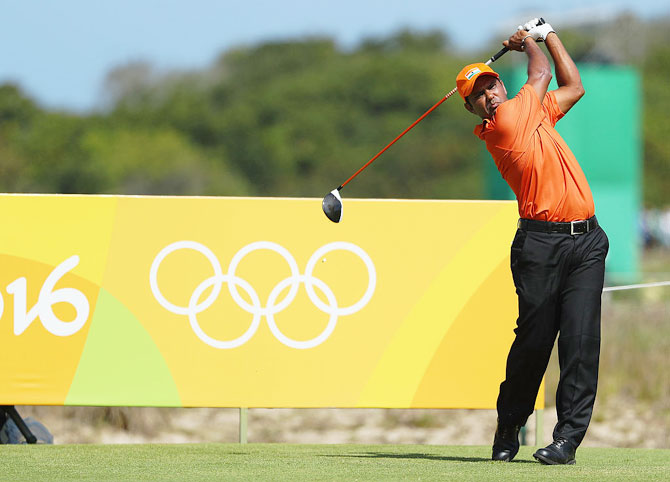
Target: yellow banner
<point>254,302</point>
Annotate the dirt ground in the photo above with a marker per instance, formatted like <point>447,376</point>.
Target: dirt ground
<point>613,426</point>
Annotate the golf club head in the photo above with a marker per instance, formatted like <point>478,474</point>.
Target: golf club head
<point>332,206</point>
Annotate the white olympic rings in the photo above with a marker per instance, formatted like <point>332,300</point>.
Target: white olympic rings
<point>255,308</point>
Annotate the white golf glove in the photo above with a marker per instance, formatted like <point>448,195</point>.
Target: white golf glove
<point>540,32</point>
<point>529,25</point>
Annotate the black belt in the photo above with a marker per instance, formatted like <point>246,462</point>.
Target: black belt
<point>574,227</point>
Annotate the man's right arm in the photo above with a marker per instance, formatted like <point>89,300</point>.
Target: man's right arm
<point>539,69</point>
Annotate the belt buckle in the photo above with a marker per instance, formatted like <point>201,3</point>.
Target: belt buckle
<point>572,227</point>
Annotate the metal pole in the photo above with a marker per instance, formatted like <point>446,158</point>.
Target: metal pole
<point>243,424</point>
<point>539,427</point>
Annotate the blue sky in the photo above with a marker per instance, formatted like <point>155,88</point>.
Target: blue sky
<point>59,51</point>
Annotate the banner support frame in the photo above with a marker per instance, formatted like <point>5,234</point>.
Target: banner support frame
<point>244,414</point>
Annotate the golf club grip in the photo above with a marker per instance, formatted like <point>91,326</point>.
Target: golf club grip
<point>500,53</point>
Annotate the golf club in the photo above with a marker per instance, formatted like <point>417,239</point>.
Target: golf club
<point>332,202</point>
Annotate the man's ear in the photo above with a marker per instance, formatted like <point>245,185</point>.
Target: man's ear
<point>503,86</point>
<point>468,107</point>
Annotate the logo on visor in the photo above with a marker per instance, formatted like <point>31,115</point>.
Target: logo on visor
<point>470,73</point>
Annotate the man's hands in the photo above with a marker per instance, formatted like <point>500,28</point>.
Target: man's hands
<point>537,28</point>
<point>518,41</point>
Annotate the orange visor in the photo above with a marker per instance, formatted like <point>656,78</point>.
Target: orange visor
<point>466,78</point>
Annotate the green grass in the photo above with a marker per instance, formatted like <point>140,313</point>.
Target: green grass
<point>316,462</point>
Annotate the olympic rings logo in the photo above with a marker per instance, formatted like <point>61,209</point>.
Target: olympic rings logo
<point>272,307</point>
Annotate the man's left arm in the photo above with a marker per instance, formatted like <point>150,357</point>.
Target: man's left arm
<point>570,88</point>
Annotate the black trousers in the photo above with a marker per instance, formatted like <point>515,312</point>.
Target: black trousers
<point>559,281</point>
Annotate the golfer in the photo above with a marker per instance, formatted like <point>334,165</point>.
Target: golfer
<point>558,252</point>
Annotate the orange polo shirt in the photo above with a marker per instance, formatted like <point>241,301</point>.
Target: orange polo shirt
<point>535,160</point>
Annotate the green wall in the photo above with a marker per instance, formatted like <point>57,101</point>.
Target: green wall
<point>603,130</point>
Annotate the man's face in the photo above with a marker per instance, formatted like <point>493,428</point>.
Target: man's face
<point>487,95</point>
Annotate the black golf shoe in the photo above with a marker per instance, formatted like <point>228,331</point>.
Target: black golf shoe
<point>559,452</point>
<point>506,442</point>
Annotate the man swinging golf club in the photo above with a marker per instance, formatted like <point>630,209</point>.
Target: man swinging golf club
<point>558,252</point>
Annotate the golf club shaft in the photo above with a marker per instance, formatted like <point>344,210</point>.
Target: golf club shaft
<point>453,91</point>
<point>399,136</point>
